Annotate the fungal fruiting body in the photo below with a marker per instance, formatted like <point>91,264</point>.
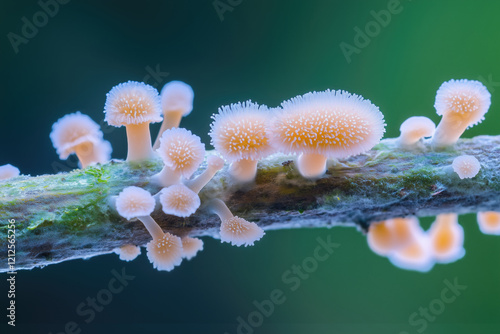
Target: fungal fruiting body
<point>176,102</point>
<point>322,125</point>
<point>391,235</point>
<point>182,200</point>
<point>489,222</point>
<point>134,105</point>
<point>416,255</point>
<point>447,238</point>
<point>78,133</point>
<point>239,134</point>
<point>182,153</point>
<point>462,104</point>
<point>128,252</point>
<point>414,129</point>
<point>8,171</point>
<point>466,166</point>
<point>234,229</point>
<point>165,250</point>
<point>191,247</point>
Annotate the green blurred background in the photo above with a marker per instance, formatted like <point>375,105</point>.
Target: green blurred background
<point>266,51</point>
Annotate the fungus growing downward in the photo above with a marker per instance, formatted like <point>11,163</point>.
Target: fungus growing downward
<point>489,222</point>
<point>233,229</point>
<point>182,152</point>
<point>191,247</point>
<point>322,125</point>
<point>239,134</point>
<point>176,102</point>
<point>8,171</point>
<point>78,133</point>
<point>447,238</point>
<point>391,235</point>
<point>182,200</point>
<point>462,103</point>
<point>134,105</point>
<point>128,252</point>
<point>466,166</point>
<point>414,129</point>
<point>165,250</point>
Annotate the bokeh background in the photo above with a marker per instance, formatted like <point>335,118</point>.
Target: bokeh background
<point>266,51</point>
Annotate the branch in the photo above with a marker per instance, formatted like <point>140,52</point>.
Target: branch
<point>67,216</point>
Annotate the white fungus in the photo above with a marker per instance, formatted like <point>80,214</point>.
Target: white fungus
<point>466,166</point>
<point>8,171</point>
<point>489,222</point>
<point>414,129</point>
<point>128,252</point>
<point>447,238</point>
<point>191,247</point>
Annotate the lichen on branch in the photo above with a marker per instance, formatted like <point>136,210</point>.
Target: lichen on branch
<point>68,215</point>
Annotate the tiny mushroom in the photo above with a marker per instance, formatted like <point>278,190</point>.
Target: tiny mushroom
<point>466,166</point>
<point>239,134</point>
<point>390,235</point>
<point>447,238</point>
<point>489,222</point>
<point>233,229</point>
<point>322,125</point>
<point>78,133</point>
<point>128,252</point>
<point>8,171</point>
<point>191,247</point>
<point>134,105</point>
<point>182,152</point>
<point>176,102</point>
<point>414,129</point>
<point>462,104</point>
<point>165,250</point>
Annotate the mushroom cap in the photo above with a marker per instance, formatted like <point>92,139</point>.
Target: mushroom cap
<point>240,232</point>
<point>239,131</point>
<point>179,200</point>
<point>467,100</point>
<point>181,150</point>
<point>177,96</point>
<point>331,123</point>
<point>165,253</point>
<point>135,202</point>
<point>489,222</point>
<point>191,246</point>
<point>103,151</point>
<point>466,166</point>
<point>415,256</point>
<point>418,126</point>
<point>72,130</point>
<point>132,102</point>
<point>447,238</point>
<point>8,171</point>
<point>128,252</point>
<point>392,235</point>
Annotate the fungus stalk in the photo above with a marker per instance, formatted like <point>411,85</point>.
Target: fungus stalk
<point>67,215</point>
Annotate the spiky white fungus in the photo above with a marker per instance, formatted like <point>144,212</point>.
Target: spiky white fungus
<point>462,103</point>
<point>134,105</point>
<point>182,200</point>
<point>322,125</point>
<point>414,129</point>
<point>78,133</point>
<point>182,152</point>
<point>190,247</point>
<point>165,250</point>
<point>239,134</point>
<point>8,171</point>
<point>416,255</point>
<point>447,238</point>
<point>234,229</point>
<point>489,222</point>
<point>179,200</point>
<point>390,235</point>
<point>466,166</point>
<point>128,252</point>
<point>176,102</point>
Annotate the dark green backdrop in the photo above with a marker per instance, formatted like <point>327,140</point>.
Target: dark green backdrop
<point>266,51</point>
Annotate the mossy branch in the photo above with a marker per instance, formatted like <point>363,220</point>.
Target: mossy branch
<point>67,216</point>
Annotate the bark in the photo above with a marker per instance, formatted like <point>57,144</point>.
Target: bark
<point>68,216</point>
